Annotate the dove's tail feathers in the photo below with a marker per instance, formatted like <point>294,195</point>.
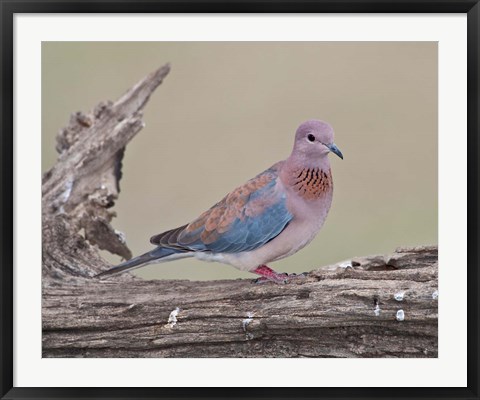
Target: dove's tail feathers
<point>160,254</point>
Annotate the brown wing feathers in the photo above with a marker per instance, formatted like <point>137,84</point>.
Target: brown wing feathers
<point>217,220</point>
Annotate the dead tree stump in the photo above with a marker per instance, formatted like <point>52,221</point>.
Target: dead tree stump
<point>377,306</point>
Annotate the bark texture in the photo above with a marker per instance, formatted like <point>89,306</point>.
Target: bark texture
<point>377,306</point>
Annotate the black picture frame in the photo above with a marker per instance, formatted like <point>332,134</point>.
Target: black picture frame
<point>10,8</point>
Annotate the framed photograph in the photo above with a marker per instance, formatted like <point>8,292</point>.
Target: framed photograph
<point>239,200</point>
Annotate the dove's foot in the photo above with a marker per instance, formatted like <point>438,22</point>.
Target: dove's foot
<point>269,275</point>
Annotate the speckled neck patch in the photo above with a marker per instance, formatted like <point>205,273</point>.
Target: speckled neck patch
<point>312,183</point>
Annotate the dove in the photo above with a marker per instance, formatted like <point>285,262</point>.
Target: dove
<point>270,217</point>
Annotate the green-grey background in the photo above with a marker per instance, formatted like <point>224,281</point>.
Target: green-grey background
<point>228,110</point>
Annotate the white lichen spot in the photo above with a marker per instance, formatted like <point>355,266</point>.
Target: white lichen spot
<point>247,320</point>
<point>121,236</point>
<point>343,265</point>
<point>67,191</point>
<point>346,264</point>
<point>435,295</point>
<point>245,323</point>
<point>172,318</point>
<point>399,296</point>
<point>400,315</point>
<point>376,310</point>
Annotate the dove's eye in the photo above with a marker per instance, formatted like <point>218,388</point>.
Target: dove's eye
<point>311,138</point>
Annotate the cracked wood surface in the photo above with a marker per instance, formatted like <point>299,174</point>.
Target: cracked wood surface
<point>351,309</point>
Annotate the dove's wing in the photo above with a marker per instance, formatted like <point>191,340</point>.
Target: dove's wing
<point>244,220</point>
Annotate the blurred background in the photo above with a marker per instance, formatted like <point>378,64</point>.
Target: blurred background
<point>229,110</point>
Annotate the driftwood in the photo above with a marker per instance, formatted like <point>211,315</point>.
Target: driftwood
<point>378,306</point>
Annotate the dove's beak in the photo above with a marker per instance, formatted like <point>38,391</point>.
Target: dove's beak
<point>334,149</point>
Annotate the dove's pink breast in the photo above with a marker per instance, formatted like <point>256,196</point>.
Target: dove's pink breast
<point>309,217</point>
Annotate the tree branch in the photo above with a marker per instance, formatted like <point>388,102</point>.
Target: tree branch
<point>378,306</point>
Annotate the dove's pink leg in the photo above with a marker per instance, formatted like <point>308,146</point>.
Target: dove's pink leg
<point>269,274</point>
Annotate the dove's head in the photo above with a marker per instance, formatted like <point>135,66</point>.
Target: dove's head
<point>314,140</point>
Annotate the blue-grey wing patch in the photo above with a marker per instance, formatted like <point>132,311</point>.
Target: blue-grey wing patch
<point>244,220</point>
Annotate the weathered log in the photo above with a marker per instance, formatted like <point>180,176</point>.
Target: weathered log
<point>378,306</point>
<point>78,192</point>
